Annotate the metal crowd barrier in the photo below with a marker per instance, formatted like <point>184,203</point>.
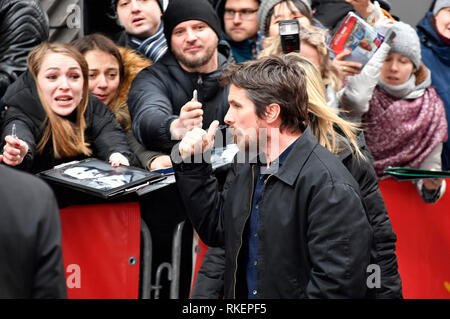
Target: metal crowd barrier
<point>173,268</point>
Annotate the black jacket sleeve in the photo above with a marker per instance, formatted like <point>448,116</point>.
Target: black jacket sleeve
<point>23,132</point>
<point>23,25</point>
<point>144,155</point>
<point>151,110</point>
<point>384,236</point>
<point>199,190</point>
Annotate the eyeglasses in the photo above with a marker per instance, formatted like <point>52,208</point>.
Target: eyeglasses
<point>245,14</point>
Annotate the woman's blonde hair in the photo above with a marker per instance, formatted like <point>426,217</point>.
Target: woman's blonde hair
<point>324,120</point>
<point>67,137</point>
<point>316,38</point>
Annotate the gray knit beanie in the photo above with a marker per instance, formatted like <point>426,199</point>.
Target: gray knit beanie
<point>406,42</point>
<point>439,5</point>
<point>266,6</point>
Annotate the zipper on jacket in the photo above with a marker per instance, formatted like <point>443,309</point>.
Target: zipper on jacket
<point>199,80</point>
<point>265,181</point>
<point>242,234</point>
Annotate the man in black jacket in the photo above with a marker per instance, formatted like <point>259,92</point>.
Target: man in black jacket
<point>290,217</point>
<point>23,25</point>
<point>31,264</point>
<point>160,98</point>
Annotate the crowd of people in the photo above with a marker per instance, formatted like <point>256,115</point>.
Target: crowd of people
<point>324,128</point>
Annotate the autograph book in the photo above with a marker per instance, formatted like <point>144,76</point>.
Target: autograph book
<point>99,178</point>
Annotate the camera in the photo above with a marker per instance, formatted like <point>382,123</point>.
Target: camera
<point>289,32</point>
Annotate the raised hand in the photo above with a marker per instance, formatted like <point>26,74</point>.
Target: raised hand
<point>14,150</point>
<point>198,140</point>
<point>191,116</point>
<point>346,67</point>
<point>117,159</point>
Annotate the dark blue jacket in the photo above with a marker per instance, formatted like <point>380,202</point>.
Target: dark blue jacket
<point>436,56</point>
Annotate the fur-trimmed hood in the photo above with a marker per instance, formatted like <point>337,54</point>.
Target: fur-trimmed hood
<point>133,64</point>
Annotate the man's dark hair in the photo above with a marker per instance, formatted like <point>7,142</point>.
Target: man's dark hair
<point>273,79</point>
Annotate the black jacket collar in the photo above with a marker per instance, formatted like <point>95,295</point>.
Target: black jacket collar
<point>297,157</point>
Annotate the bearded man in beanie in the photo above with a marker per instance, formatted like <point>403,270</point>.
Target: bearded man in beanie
<point>143,28</point>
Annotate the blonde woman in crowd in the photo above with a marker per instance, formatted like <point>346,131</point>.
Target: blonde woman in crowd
<point>51,118</point>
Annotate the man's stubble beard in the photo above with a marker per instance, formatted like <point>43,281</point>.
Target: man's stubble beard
<point>194,61</point>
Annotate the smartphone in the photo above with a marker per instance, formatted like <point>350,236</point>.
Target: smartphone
<point>289,32</point>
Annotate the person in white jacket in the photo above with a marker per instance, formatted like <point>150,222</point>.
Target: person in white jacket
<point>403,116</point>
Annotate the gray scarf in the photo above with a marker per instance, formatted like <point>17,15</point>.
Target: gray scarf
<point>408,90</point>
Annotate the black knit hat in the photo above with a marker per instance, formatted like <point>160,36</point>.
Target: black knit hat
<point>182,10</point>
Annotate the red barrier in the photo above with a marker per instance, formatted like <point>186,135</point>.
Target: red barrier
<point>423,239</point>
<point>98,242</point>
<point>200,254</point>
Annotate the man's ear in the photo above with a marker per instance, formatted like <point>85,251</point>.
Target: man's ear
<point>272,112</point>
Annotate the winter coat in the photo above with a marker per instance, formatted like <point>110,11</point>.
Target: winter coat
<point>209,282</point>
<point>102,131</point>
<point>158,93</point>
<point>314,236</point>
<point>30,238</point>
<point>23,25</point>
<point>436,56</point>
<point>330,12</point>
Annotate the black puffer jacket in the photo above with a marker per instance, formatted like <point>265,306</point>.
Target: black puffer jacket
<point>209,282</point>
<point>158,93</point>
<point>25,110</point>
<point>23,25</point>
<point>314,236</point>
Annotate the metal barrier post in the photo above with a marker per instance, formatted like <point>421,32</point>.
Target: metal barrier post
<point>176,259</point>
<point>146,261</point>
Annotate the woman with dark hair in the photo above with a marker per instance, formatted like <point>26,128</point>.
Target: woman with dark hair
<point>111,71</point>
<point>51,118</point>
<point>105,77</point>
